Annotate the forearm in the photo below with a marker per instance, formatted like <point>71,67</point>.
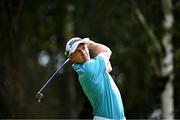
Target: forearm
<point>103,50</point>
<point>98,48</point>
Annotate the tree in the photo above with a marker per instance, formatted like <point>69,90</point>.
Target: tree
<point>166,70</point>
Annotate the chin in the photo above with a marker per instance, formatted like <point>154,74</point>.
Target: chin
<point>84,60</point>
<point>80,62</point>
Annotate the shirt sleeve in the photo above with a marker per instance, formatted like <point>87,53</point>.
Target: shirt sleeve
<point>90,75</point>
<point>97,66</point>
<point>92,68</point>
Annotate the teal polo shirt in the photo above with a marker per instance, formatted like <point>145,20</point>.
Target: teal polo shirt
<point>100,88</point>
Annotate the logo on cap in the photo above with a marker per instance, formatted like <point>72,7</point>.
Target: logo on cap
<point>73,41</point>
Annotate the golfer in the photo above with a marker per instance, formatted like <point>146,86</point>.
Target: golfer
<point>94,77</point>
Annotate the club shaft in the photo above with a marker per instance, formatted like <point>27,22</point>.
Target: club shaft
<point>52,76</point>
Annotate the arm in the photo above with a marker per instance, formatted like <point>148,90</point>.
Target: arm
<point>102,50</point>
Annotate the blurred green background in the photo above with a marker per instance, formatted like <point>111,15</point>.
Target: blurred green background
<point>143,35</point>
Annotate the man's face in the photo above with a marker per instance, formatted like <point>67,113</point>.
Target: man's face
<point>81,54</point>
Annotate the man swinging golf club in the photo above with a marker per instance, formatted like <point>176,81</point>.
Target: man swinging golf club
<point>94,77</point>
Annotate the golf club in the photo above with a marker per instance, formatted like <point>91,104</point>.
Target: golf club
<point>39,95</point>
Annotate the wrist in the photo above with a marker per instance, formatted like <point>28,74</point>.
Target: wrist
<point>90,44</point>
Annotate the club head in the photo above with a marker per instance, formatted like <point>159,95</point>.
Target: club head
<point>39,96</point>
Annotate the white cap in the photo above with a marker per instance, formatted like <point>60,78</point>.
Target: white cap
<point>73,43</point>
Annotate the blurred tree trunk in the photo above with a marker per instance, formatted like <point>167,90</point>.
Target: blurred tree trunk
<point>163,65</point>
<point>11,89</point>
<point>70,83</point>
<point>167,69</point>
